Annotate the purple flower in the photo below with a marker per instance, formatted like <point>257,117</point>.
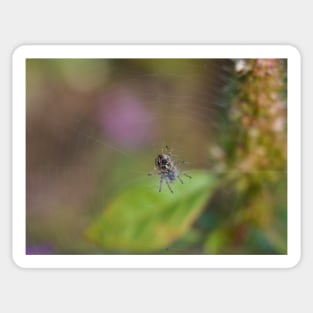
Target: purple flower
<point>43,248</point>
<point>125,119</point>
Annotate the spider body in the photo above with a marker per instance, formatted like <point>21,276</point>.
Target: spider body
<point>165,165</point>
<point>167,169</point>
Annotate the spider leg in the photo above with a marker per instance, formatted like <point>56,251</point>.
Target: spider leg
<point>153,173</point>
<point>169,152</point>
<point>180,179</point>
<point>161,181</point>
<point>168,185</point>
<point>187,175</point>
<point>182,162</point>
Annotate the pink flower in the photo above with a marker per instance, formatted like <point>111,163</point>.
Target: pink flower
<point>125,119</point>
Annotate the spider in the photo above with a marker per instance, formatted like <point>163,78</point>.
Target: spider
<point>167,169</point>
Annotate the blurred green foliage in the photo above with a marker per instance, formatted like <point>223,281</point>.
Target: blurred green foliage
<point>141,219</point>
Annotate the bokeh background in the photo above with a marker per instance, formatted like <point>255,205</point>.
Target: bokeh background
<point>95,126</point>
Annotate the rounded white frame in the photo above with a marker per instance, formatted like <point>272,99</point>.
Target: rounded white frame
<point>155,261</point>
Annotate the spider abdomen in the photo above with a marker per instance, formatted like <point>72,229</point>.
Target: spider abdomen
<point>171,176</point>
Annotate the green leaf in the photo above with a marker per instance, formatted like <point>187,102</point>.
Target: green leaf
<point>141,219</point>
<point>217,241</point>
